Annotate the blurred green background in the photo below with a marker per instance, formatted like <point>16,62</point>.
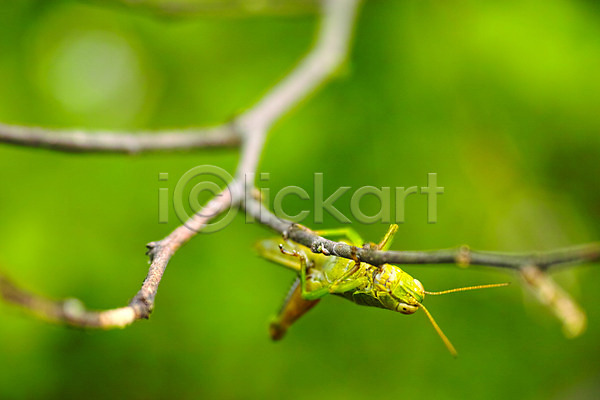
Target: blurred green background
<point>501,99</point>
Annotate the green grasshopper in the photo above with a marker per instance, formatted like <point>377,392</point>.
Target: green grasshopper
<point>385,286</point>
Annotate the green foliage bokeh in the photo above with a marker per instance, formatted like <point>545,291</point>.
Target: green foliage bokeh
<point>501,99</point>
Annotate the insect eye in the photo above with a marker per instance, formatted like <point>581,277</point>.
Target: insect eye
<point>419,285</point>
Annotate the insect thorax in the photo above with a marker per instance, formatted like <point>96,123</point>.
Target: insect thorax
<point>362,298</point>
<point>386,286</point>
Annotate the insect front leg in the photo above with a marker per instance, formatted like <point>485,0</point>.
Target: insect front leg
<point>308,294</point>
<point>386,242</point>
<point>343,284</point>
<point>348,285</point>
<point>271,250</point>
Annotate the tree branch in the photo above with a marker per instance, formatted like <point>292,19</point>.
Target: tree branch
<point>461,255</point>
<point>79,141</point>
<point>70,311</point>
<point>197,8</point>
<point>562,305</point>
<point>329,51</point>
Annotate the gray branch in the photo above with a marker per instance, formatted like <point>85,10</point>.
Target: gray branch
<point>80,141</point>
<point>461,255</point>
<point>203,8</point>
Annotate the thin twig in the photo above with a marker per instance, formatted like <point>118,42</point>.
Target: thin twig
<point>70,311</point>
<point>329,51</point>
<point>80,141</point>
<point>562,305</point>
<point>461,255</point>
<point>197,8</point>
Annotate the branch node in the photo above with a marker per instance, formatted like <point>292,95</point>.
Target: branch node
<point>73,309</point>
<point>142,305</point>
<point>463,256</point>
<point>286,232</point>
<point>153,249</point>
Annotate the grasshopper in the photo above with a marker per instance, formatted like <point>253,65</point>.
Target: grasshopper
<point>385,286</point>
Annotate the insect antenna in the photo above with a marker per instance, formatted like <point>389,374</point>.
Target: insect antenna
<point>464,289</point>
<point>446,341</point>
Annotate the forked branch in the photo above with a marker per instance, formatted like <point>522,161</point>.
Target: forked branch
<point>329,52</point>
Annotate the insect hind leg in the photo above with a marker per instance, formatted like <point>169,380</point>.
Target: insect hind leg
<point>294,307</point>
